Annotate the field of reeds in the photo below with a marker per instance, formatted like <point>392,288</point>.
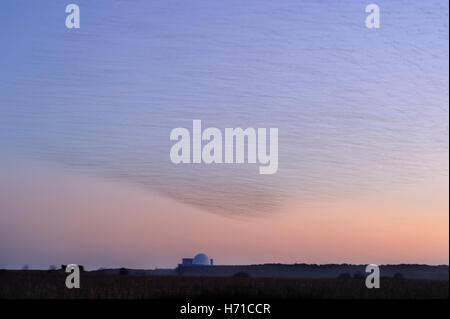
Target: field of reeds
<point>51,284</point>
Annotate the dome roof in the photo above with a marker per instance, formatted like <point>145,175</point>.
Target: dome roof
<point>201,259</point>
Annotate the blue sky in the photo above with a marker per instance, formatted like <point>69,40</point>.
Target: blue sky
<point>348,100</point>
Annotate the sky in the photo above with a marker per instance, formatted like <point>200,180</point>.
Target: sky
<point>86,115</point>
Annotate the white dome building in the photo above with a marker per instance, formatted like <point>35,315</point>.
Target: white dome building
<point>201,259</point>
<point>198,260</point>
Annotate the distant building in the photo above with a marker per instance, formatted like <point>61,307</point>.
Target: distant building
<point>198,260</point>
<point>187,261</point>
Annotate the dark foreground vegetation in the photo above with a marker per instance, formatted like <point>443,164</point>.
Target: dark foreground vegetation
<point>51,284</point>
